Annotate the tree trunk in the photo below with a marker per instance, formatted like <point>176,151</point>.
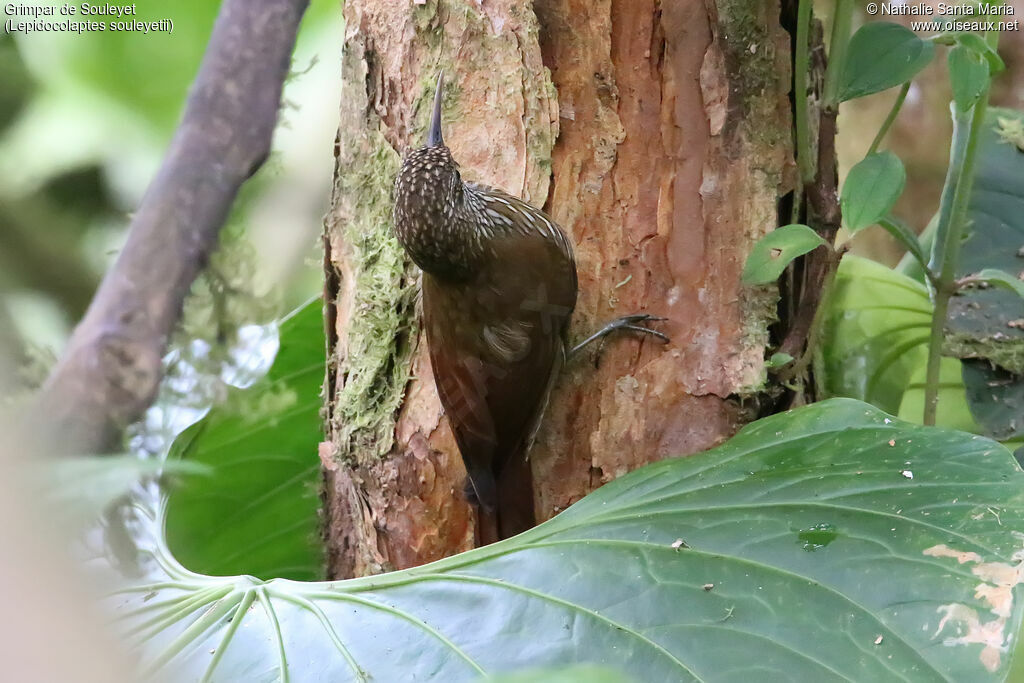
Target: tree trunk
<point>658,135</point>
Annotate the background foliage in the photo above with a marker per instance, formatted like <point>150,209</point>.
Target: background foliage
<point>84,121</point>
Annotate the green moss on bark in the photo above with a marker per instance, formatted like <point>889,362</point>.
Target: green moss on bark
<point>1004,351</point>
<point>378,344</point>
<point>752,65</point>
<point>373,357</point>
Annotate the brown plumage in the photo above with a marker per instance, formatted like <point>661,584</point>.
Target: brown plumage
<point>499,287</point>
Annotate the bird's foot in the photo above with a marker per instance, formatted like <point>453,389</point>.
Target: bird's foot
<point>626,322</point>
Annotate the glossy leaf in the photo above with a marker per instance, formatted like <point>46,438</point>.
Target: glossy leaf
<point>828,543</point>
<point>776,250</point>
<point>968,74</point>
<point>876,332</point>
<point>982,323</point>
<point>875,346</point>
<point>575,674</point>
<point>778,360</point>
<point>882,55</point>
<point>988,324</point>
<point>953,411</point>
<point>257,512</point>
<point>871,189</point>
<point>996,397</point>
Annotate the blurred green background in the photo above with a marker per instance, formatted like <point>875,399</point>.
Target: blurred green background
<point>84,122</point>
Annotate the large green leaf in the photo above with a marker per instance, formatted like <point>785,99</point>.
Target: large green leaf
<point>573,674</point>
<point>829,543</point>
<point>985,323</point>
<point>875,349</point>
<point>996,399</point>
<point>257,513</point>
<point>871,189</point>
<point>953,412</point>
<point>876,333</point>
<point>989,324</point>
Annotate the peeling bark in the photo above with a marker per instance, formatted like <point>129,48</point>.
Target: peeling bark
<point>673,149</point>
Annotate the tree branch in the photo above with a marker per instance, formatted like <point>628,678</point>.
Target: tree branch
<point>111,370</point>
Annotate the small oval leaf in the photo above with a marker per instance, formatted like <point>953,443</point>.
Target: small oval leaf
<point>882,55</point>
<point>776,250</point>
<point>968,74</point>
<point>871,189</point>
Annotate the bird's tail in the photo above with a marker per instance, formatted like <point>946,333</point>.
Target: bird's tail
<point>505,506</point>
<point>515,498</point>
<point>482,491</point>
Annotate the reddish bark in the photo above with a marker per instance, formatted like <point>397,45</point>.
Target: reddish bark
<point>668,166</point>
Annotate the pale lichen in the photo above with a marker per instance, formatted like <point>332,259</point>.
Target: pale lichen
<point>999,580</point>
<point>1011,131</point>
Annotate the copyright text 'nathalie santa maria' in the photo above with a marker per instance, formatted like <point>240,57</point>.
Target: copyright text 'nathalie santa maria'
<point>949,16</point>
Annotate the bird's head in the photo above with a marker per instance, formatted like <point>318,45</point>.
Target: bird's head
<point>429,183</point>
<point>429,195</point>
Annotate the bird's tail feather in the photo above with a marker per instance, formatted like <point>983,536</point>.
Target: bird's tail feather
<point>515,498</point>
<point>505,506</point>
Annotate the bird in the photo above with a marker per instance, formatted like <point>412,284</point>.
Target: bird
<point>498,290</point>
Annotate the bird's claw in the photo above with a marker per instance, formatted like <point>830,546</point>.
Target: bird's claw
<point>646,330</point>
<point>642,318</point>
<point>629,322</point>
<point>626,322</point>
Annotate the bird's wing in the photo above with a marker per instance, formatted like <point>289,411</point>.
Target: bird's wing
<point>496,343</point>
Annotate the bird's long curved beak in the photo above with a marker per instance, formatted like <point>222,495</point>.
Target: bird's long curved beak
<point>434,138</point>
